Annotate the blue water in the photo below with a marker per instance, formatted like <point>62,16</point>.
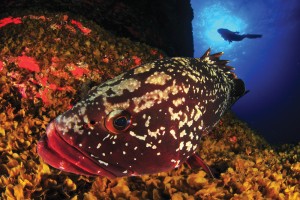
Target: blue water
<point>270,66</point>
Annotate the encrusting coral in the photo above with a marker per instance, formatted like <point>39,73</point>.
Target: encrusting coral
<point>48,60</point>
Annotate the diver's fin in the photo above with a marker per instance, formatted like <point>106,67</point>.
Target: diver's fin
<point>195,161</point>
<point>253,36</point>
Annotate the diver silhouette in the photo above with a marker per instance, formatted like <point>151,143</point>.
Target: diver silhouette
<point>234,36</point>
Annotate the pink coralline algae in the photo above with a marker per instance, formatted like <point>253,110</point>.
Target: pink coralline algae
<point>10,20</point>
<point>22,89</point>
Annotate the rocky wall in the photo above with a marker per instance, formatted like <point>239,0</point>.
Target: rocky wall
<point>166,25</point>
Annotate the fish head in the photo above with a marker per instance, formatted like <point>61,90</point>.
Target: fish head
<point>118,130</point>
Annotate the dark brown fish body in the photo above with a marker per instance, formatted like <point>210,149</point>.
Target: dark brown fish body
<point>147,120</point>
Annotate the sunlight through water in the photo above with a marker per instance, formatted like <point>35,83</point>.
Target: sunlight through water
<point>209,19</point>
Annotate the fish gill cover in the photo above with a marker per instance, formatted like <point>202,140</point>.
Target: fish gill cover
<point>45,61</point>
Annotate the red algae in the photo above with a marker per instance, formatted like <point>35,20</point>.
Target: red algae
<point>10,20</point>
<point>54,68</point>
<point>137,60</point>
<point>83,29</point>
<point>153,51</point>
<point>1,65</point>
<point>44,95</point>
<point>70,28</point>
<point>78,71</point>
<point>28,63</point>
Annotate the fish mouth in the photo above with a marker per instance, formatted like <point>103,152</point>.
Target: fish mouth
<point>58,153</point>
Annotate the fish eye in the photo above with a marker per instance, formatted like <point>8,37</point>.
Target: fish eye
<point>118,121</point>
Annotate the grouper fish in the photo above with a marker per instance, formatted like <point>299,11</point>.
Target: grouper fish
<point>147,120</point>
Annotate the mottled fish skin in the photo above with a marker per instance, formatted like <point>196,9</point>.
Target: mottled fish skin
<point>168,104</point>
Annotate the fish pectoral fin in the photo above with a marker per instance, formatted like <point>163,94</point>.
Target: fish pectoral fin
<point>195,161</point>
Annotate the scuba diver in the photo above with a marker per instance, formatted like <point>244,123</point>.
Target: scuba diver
<point>235,36</point>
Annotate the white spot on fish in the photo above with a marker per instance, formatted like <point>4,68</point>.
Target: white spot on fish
<point>182,133</point>
<point>154,133</point>
<point>188,145</point>
<point>178,101</point>
<point>138,136</point>
<point>173,133</point>
<point>194,147</point>
<point>82,110</point>
<point>130,85</point>
<point>147,123</point>
<point>106,137</point>
<point>158,78</point>
<point>149,99</point>
<point>191,136</point>
<point>174,116</point>
<point>190,123</point>
<point>102,162</point>
<point>181,145</point>
<point>143,68</point>
<point>94,156</point>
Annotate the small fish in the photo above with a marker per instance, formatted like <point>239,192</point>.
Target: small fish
<point>147,120</point>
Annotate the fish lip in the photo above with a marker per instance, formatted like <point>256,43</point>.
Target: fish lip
<point>48,155</point>
<point>52,148</point>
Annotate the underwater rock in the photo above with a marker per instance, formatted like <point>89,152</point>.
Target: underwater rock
<point>166,25</point>
<point>70,59</point>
